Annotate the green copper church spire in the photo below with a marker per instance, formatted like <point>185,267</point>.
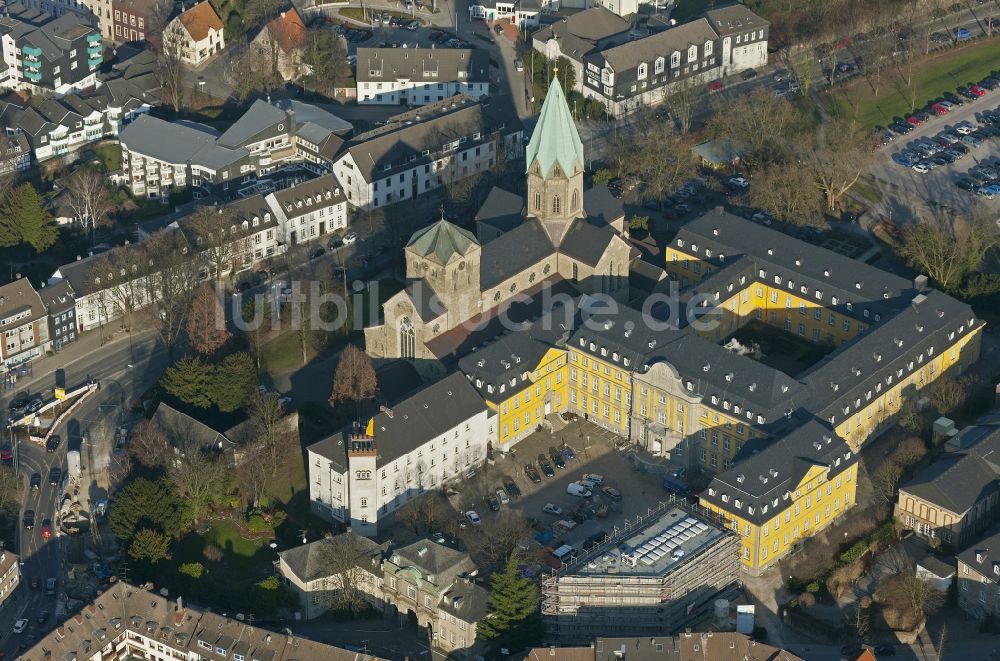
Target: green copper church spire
<point>555,139</point>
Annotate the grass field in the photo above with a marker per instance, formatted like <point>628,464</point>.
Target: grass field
<point>110,155</point>
<point>283,354</point>
<point>933,77</point>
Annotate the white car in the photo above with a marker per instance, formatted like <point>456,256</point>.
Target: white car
<point>350,238</point>
<point>519,65</point>
<point>594,477</point>
<point>20,626</point>
<point>920,167</point>
<point>737,182</point>
<point>503,497</point>
<point>963,129</point>
<point>552,509</point>
<point>473,517</point>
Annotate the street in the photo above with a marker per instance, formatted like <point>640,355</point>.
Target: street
<point>124,368</point>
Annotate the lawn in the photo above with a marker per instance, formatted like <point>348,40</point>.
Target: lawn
<point>936,75</point>
<point>242,555</point>
<point>283,354</point>
<point>110,155</point>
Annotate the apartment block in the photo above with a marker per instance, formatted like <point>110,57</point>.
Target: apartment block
<point>60,301</point>
<point>979,578</point>
<point>419,76</point>
<point>125,621</point>
<point>47,53</point>
<point>649,579</point>
<point>10,575</point>
<point>406,450</point>
<point>309,210</point>
<point>422,149</point>
<point>24,322</point>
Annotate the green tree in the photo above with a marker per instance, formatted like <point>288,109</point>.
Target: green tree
<point>194,570</point>
<point>514,621</point>
<point>191,381</point>
<point>25,215</point>
<point>639,223</point>
<point>269,595</point>
<point>235,381</point>
<point>145,504</point>
<point>150,546</point>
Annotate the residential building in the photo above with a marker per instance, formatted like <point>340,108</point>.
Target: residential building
<point>60,301</point>
<point>282,41</point>
<point>254,235</point>
<point>15,154</point>
<point>132,19</point>
<point>309,210</point>
<point>939,572</point>
<point>424,441</point>
<point>782,491</point>
<point>522,377</point>
<point>125,621</point>
<point>319,135</point>
<point>979,578</point>
<point>435,584</point>
<point>452,277</point>
<point>422,149</point>
<point>54,54</point>
<point>625,72</point>
<point>24,322</point>
<point>186,434</point>
<point>522,13</point>
<point>579,34</point>
<point>418,76</point>
<point>10,575</point>
<point>55,127</point>
<point>955,498</point>
<point>196,33</point>
<point>311,571</point>
<point>687,646</point>
<point>664,570</point>
<point>160,157</point>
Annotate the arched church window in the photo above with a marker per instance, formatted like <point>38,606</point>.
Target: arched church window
<point>556,204</point>
<point>407,338</point>
<point>538,201</point>
<point>576,202</point>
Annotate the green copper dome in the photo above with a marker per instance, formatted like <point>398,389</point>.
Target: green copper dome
<point>555,139</point>
<point>442,239</point>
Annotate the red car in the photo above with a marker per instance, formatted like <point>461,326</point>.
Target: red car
<point>46,528</point>
<point>977,90</point>
<point>714,86</point>
<point>939,109</point>
<point>913,121</point>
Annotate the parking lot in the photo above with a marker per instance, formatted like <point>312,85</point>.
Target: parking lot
<point>907,190</point>
<point>594,452</point>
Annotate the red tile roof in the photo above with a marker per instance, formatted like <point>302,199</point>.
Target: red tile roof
<point>288,30</point>
<point>200,19</point>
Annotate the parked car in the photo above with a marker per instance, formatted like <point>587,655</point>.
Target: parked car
<point>519,65</point>
<point>29,519</point>
<point>46,528</point>
<point>546,467</point>
<point>36,582</point>
<point>962,34</point>
<point>939,109</point>
<point>473,517</point>
<point>977,90</point>
<point>594,477</point>
<point>922,168</point>
<point>568,454</point>
<point>557,457</point>
<point>36,481</point>
<point>42,618</point>
<point>50,585</point>
<point>350,238</point>
<point>965,183</point>
<point>492,503</point>
<point>552,509</point>
<point>577,489</point>
<point>54,475</point>
<point>612,493</point>
<point>503,497</point>
<point>529,470</point>
<point>737,183</point>
<point>512,488</point>
<point>20,625</point>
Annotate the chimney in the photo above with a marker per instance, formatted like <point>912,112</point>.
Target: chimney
<point>552,650</point>
<point>920,282</point>
<point>17,276</point>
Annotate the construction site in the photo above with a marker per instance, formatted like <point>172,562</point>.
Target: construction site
<point>653,576</point>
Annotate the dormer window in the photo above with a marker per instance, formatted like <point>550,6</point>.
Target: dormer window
<point>675,61</point>
<point>659,65</point>
<point>692,54</point>
<point>708,48</point>
<point>643,70</point>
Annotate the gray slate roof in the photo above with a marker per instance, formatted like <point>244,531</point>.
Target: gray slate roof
<point>423,65</point>
<point>586,242</point>
<point>311,561</point>
<point>435,559</point>
<point>58,298</point>
<point>628,56</point>
<point>989,550</point>
<point>509,358</point>
<point>259,117</point>
<point>502,209</point>
<point>955,483</point>
<point>513,251</point>
<point>601,206</point>
<point>307,197</point>
<point>430,412</point>
<point>467,601</point>
<point>171,142</point>
<point>312,115</point>
<point>734,18</point>
<point>761,477</point>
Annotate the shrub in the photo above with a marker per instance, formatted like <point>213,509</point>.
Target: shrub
<point>842,578</point>
<point>265,521</point>
<point>213,553</point>
<point>855,552</point>
<point>812,588</point>
<point>193,569</point>
<point>900,619</point>
<point>885,535</point>
<point>807,599</point>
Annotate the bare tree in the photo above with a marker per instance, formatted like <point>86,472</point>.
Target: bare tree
<point>90,198</point>
<point>253,471</point>
<point>170,283</point>
<point>149,445</point>
<point>683,99</point>
<point>206,321</point>
<point>214,236</point>
<point>664,160</point>
<point>916,594</point>
<point>422,514</point>
<point>121,275</point>
<point>787,192</point>
<point>500,537</point>
<point>253,67</point>
<point>840,152</point>
<point>948,247</point>
<point>946,395</point>
<point>348,564</point>
<point>198,477</point>
<point>265,412</point>
<point>354,380</point>
<point>759,123</point>
<point>885,481</point>
<point>170,65</point>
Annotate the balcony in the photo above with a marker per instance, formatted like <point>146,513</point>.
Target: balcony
<point>32,51</point>
<point>94,60</point>
<point>94,48</point>
<point>32,64</point>
<point>35,76</point>
<point>93,38</point>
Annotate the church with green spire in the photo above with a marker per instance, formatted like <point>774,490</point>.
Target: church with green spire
<point>460,282</point>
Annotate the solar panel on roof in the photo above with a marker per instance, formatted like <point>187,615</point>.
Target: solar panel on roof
<point>658,553</point>
<point>647,560</point>
<point>701,527</point>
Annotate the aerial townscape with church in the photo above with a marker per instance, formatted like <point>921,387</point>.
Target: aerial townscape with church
<point>563,330</point>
